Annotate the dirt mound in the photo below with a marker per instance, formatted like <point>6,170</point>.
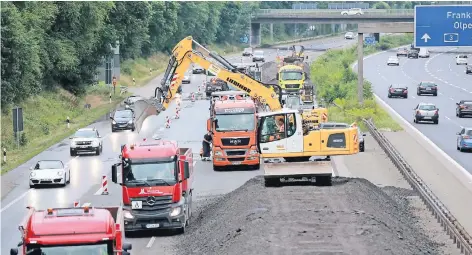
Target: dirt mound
<point>351,217</point>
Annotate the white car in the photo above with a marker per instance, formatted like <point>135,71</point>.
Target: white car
<point>353,11</point>
<point>424,53</point>
<point>51,172</point>
<point>393,60</point>
<point>186,79</point>
<point>461,59</point>
<point>86,140</point>
<point>349,35</point>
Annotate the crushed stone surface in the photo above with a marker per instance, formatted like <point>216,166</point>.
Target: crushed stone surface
<point>351,217</point>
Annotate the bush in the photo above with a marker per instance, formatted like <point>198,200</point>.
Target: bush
<point>336,85</point>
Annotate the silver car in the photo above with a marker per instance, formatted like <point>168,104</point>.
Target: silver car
<point>426,112</point>
<point>349,35</point>
<point>51,172</point>
<point>393,60</point>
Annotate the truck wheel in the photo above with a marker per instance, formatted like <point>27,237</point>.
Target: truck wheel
<point>97,151</point>
<point>323,181</point>
<point>31,186</point>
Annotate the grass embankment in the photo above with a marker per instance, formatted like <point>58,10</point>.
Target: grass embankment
<point>44,118</point>
<point>336,85</point>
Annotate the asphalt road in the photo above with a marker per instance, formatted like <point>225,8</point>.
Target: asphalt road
<point>87,171</point>
<point>453,85</point>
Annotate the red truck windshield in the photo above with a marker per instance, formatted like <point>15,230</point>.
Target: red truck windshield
<point>89,249</point>
<point>144,173</point>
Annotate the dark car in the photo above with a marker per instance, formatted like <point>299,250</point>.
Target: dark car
<point>198,70</point>
<point>123,120</point>
<point>215,85</point>
<point>412,54</point>
<point>468,69</point>
<point>402,52</point>
<point>426,87</point>
<point>397,91</point>
<point>464,107</point>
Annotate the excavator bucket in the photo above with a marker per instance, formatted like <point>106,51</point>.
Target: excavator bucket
<point>144,108</point>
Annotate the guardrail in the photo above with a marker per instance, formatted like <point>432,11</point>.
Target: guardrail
<point>450,224</point>
<point>331,11</point>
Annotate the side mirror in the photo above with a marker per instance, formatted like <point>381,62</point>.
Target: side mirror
<point>208,124</point>
<point>114,176</point>
<point>277,76</point>
<point>13,251</point>
<point>457,103</point>
<point>186,170</point>
<point>306,57</point>
<point>127,246</point>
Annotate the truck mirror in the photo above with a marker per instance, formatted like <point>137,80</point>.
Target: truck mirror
<point>13,251</point>
<point>277,76</point>
<point>114,177</point>
<point>127,246</point>
<point>208,124</point>
<point>186,170</point>
<point>125,253</point>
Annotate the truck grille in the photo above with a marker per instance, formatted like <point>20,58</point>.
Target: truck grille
<point>235,159</point>
<point>84,142</point>
<point>292,86</point>
<point>236,153</point>
<point>235,141</point>
<point>161,203</point>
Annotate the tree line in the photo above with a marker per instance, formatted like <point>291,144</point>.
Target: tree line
<point>46,45</point>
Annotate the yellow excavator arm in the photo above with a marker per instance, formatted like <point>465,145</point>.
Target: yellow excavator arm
<point>189,51</point>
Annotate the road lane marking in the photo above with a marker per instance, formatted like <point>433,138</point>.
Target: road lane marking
<point>451,98</point>
<point>86,204</point>
<point>455,123</point>
<point>26,192</point>
<point>151,242</point>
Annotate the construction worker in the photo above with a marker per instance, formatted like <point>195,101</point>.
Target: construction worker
<point>206,145</point>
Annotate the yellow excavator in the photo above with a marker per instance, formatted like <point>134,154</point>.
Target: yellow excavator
<point>280,132</point>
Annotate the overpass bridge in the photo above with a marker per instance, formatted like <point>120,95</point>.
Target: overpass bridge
<point>324,16</point>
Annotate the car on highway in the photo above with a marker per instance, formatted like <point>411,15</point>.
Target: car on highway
<point>50,172</point>
<point>123,119</point>
<point>349,36</point>
<point>258,56</point>
<point>334,125</point>
<point>393,60</point>
<point>464,107</point>
<point>427,87</point>
<point>215,85</point>
<point>198,70</point>
<point>464,140</point>
<point>247,52</point>
<point>353,11</point>
<point>426,112</point>
<point>86,140</point>
<point>461,59</point>
<point>402,52</point>
<point>468,69</point>
<point>186,79</point>
<point>424,53</point>
<point>132,99</point>
<point>397,91</point>
<point>412,54</point>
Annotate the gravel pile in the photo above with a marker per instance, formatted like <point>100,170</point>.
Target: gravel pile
<point>351,217</point>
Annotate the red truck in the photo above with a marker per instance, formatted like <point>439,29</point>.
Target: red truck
<point>156,179</point>
<point>73,231</point>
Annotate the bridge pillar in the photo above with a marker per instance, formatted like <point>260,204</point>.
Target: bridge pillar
<point>377,37</point>
<point>360,68</point>
<point>271,28</point>
<point>255,38</point>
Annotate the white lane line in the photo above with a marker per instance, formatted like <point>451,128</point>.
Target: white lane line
<point>151,242</point>
<point>26,192</point>
<point>451,98</point>
<point>440,93</point>
<point>413,97</point>
<point>86,204</point>
<point>455,123</point>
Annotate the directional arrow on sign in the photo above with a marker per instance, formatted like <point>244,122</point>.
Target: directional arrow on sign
<point>425,38</point>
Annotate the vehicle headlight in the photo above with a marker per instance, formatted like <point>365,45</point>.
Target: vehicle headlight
<point>60,173</point>
<point>283,91</point>
<point>32,174</point>
<point>175,211</point>
<point>218,153</point>
<point>128,215</point>
<point>130,122</point>
<point>114,122</point>
<point>252,152</point>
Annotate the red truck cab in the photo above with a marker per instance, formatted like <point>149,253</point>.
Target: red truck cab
<point>73,231</point>
<point>156,179</point>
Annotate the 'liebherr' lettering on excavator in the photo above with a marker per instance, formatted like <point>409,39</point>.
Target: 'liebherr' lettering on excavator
<point>239,85</point>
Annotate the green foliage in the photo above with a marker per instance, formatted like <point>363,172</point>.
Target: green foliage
<point>381,5</point>
<point>336,84</point>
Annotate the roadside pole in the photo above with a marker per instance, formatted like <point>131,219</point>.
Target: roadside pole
<point>360,68</point>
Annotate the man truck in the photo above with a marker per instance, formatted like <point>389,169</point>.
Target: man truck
<point>156,179</point>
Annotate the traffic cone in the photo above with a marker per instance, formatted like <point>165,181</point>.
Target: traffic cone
<point>177,113</point>
<point>193,97</point>
<point>167,122</point>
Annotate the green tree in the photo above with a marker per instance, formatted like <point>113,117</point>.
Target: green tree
<point>381,5</point>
